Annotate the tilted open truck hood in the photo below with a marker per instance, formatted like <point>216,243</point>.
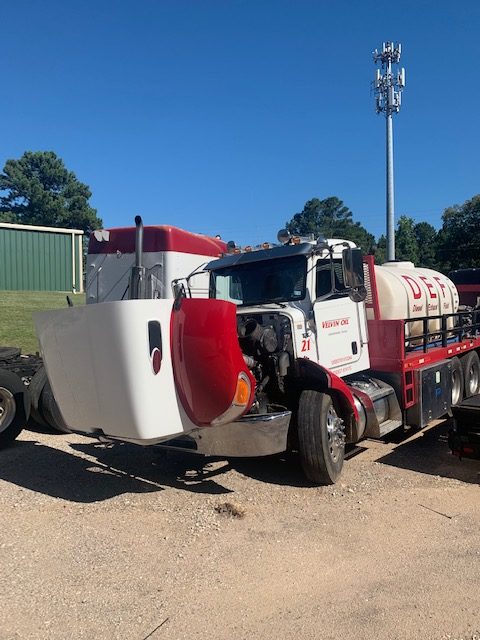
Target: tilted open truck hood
<point>141,370</point>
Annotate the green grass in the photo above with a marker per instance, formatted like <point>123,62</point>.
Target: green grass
<point>16,308</point>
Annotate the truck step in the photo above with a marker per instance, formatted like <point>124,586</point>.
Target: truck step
<point>386,415</point>
<point>387,427</point>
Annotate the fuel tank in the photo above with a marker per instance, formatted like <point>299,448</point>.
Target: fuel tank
<point>406,292</point>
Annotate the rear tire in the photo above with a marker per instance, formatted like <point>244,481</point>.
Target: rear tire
<point>36,387</point>
<point>321,439</point>
<point>14,407</point>
<point>471,373</point>
<point>48,408</point>
<point>457,381</point>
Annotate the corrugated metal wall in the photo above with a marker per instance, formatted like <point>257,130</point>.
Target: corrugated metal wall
<point>34,260</point>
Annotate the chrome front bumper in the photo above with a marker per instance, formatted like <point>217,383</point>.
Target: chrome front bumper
<point>254,435</point>
<point>250,436</point>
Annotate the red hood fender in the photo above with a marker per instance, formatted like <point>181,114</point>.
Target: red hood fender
<point>328,379</point>
<point>207,361</point>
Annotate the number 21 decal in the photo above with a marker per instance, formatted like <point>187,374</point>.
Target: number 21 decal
<point>306,344</point>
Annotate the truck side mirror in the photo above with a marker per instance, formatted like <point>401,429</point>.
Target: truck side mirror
<point>352,260</point>
<point>178,290</point>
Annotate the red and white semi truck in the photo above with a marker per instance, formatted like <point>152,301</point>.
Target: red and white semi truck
<point>305,344</point>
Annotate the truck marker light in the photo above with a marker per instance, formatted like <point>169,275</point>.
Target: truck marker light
<point>239,402</point>
<point>242,393</point>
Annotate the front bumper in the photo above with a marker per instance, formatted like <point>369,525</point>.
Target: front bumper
<point>250,436</point>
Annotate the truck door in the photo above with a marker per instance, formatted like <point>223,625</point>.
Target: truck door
<point>341,328</point>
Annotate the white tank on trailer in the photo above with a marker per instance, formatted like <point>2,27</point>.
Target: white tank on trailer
<point>407,292</point>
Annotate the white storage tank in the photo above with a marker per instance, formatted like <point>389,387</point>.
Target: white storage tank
<point>406,292</point>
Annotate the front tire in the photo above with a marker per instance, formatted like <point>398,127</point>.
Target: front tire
<point>321,438</point>
<point>14,407</point>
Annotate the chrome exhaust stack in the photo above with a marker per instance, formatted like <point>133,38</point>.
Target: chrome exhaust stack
<point>138,281</point>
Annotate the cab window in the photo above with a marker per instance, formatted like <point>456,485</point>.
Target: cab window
<point>324,284</point>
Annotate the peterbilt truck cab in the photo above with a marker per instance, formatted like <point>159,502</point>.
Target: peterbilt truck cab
<point>301,325</point>
<point>305,288</point>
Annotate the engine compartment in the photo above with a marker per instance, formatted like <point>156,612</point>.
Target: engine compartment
<point>267,346</point>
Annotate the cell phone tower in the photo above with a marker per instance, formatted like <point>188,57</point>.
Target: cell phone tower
<point>388,89</point>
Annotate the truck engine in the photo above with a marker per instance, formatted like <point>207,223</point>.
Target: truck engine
<point>266,343</point>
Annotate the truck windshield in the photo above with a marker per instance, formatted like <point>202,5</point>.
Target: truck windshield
<point>279,280</point>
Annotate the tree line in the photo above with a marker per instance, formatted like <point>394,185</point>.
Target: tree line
<point>38,189</point>
<point>455,245</point>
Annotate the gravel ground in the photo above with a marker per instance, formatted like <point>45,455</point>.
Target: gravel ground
<point>130,543</point>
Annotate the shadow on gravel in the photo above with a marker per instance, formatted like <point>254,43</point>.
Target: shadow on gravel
<point>281,469</point>
<point>117,469</point>
<point>429,453</point>
<point>114,469</point>
<point>278,469</point>
<point>35,427</point>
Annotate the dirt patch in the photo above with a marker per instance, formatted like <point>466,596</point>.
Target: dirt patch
<point>230,509</point>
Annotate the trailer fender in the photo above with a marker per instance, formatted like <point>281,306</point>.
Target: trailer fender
<point>212,380</point>
<point>325,379</point>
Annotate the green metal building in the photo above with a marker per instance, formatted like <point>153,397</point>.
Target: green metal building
<point>40,258</point>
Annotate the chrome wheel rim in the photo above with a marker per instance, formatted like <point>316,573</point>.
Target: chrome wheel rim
<point>455,387</point>
<point>473,380</point>
<point>8,408</point>
<point>335,435</point>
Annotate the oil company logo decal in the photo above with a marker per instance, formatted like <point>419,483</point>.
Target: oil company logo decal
<point>338,322</point>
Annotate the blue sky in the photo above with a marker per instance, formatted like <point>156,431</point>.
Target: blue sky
<point>226,116</point>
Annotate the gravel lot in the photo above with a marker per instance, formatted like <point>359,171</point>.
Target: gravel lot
<point>130,543</point>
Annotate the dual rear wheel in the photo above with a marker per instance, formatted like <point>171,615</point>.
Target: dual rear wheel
<point>471,373</point>
<point>465,377</point>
